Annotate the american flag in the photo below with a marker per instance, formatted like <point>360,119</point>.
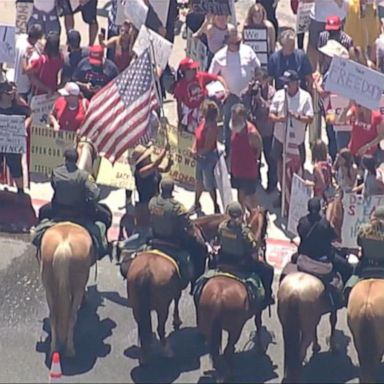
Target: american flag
<point>118,115</point>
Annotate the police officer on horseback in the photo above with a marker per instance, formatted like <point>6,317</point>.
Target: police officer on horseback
<point>239,249</point>
<point>171,226</point>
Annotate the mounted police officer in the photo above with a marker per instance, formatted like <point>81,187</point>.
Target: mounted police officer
<point>172,226</point>
<point>75,196</point>
<point>239,249</point>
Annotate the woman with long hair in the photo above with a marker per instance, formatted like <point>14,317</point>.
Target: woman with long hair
<point>345,170</point>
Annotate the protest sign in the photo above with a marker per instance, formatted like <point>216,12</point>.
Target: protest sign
<point>197,50</point>
<point>12,134</point>
<point>222,181</point>
<point>23,13</point>
<point>357,211</point>
<point>214,7</point>
<point>160,48</point>
<point>356,82</point>
<point>47,148</point>
<point>120,13</point>
<point>41,106</point>
<point>7,44</point>
<point>303,17</point>
<point>136,12</point>
<point>161,7</point>
<point>257,39</point>
<point>300,194</point>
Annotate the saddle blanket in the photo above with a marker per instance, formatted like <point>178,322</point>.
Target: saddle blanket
<point>96,230</point>
<point>252,282</point>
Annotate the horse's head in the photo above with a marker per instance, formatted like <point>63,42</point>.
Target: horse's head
<point>258,222</point>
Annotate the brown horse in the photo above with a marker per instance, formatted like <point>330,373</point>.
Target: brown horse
<point>365,320</point>
<point>153,282</point>
<point>301,303</point>
<point>224,305</point>
<point>66,256</point>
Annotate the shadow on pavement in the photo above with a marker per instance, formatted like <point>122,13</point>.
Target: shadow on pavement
<point>188,347</point>
<point>90,333</point>
<point>329,367</point>
<point>116,298</point>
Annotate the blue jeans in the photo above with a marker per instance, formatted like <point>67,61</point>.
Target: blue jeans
<point>342,139</point>
<point>332,142</point>
<point>205,166</point>
<point>229,103</point>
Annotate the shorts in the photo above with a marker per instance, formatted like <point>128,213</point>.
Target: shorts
<point>13,161</point>
<point>49,22</point>
<point>277,151</point>
<point>88,10</point>
<point>315,28</point>
<point>248,186</point>
<point>205,167</point>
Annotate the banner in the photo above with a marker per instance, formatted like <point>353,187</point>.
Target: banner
<point>257,39</point>
<point>197,50</point>
<point>162,48</point>
<point>12,134</point>
<point>7,44</point>
<point>357,211</point>
<point>214,7</point>
<point>161,7</point>
<point>222,181</point>
<point>136,12</point>
<point>303,17</point>
<point>23,13</point>
<point>41,107</point>
<point>355,82</point>
<point>47,148</point>
<point>300,195</point>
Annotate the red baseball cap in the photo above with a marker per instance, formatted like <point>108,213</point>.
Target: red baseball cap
<point>187,64</point>
<point>333,23</point>
<point>96,55</point>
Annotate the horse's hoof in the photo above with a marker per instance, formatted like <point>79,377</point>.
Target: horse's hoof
<point>177,325</point>
<point>316,348</point>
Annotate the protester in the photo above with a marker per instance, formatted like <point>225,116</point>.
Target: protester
<point>94,72</point>
<point>300,35</point>
<point>246,148</point>
<point>257,18</point>
<point>27,48</point>
<point>372,181</point>
<point>122,45</point>
<point>258,101</point>
<point>270,7</point>
<point>44,13</point>
<point>300,114</point>
<point>236,63</point>
<point>69,109</point>
<point>345,170</point>
<point>190,91</point>
<point>44,71</point>
<point>289,58</point>
<point>88,11</point>
<point>9,105</point>
<point>377,54</point>
<point>75,54</point>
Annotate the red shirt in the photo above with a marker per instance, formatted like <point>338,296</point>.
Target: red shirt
<point>201,134</point>
<point>69,120</point>
<point>192,92</point>
<point>47,70</point>
<point>244,163</point>
<point>326,170</point>
<point>363,133</point>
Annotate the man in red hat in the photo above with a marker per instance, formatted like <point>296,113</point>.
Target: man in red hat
<point>94,72</point>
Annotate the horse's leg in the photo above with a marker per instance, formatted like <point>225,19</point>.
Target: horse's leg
<point>259,326</point>
<point>176,316</point>
<point>162,316</point>
<point>333,347</point>
<point>76,303</point>
<point>52,323</point>
<point>315,346</point>
<point>229,351</point>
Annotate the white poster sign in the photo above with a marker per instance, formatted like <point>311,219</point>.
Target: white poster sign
<point>303,17</point>
<point>136,12</point>
<point>197,50</point>
<point>357,211</point>
<point>12,134</point>
<point>222,182</point>
<point>7,44</point>
<point>41,106</point>
<point>162,48</point>
<point>356,82</point>
<point>300,194</point>
<point>161,7</point>
<point>23,13</point>
<point>120,13</point>
<point>257,39</point>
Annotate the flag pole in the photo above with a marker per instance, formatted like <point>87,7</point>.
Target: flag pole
<point>284,167</point>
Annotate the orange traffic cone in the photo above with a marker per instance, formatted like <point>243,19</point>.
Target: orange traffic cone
<point>55,373</point>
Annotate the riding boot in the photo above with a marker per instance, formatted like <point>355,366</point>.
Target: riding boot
<point>266,273</point>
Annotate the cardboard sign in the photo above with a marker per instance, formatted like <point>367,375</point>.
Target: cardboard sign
<point>23,13</point>
<point>47,148</point>
<point>257,39</point>
<point>356,82</point>
<point>300,195</point>
<point>161,7</point>
<point>41,107</point>
<point>197,50</point>
<point>12,134</point>
<point>7,44</point>
<point>303,17</point>
<point>214,7</point>
<point>357,211</point>
<point>160,48</point>
<point>120,13</point>
<point>136,12</point>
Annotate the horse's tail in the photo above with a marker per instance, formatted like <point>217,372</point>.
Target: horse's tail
<point>62,295</point>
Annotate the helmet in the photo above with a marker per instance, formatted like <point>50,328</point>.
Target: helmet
<point>235,210</point>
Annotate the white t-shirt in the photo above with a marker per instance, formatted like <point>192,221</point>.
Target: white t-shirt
<point>237,68</point>
<point>44,5</point>
<point>324,8</point>
<point>300,103</point>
